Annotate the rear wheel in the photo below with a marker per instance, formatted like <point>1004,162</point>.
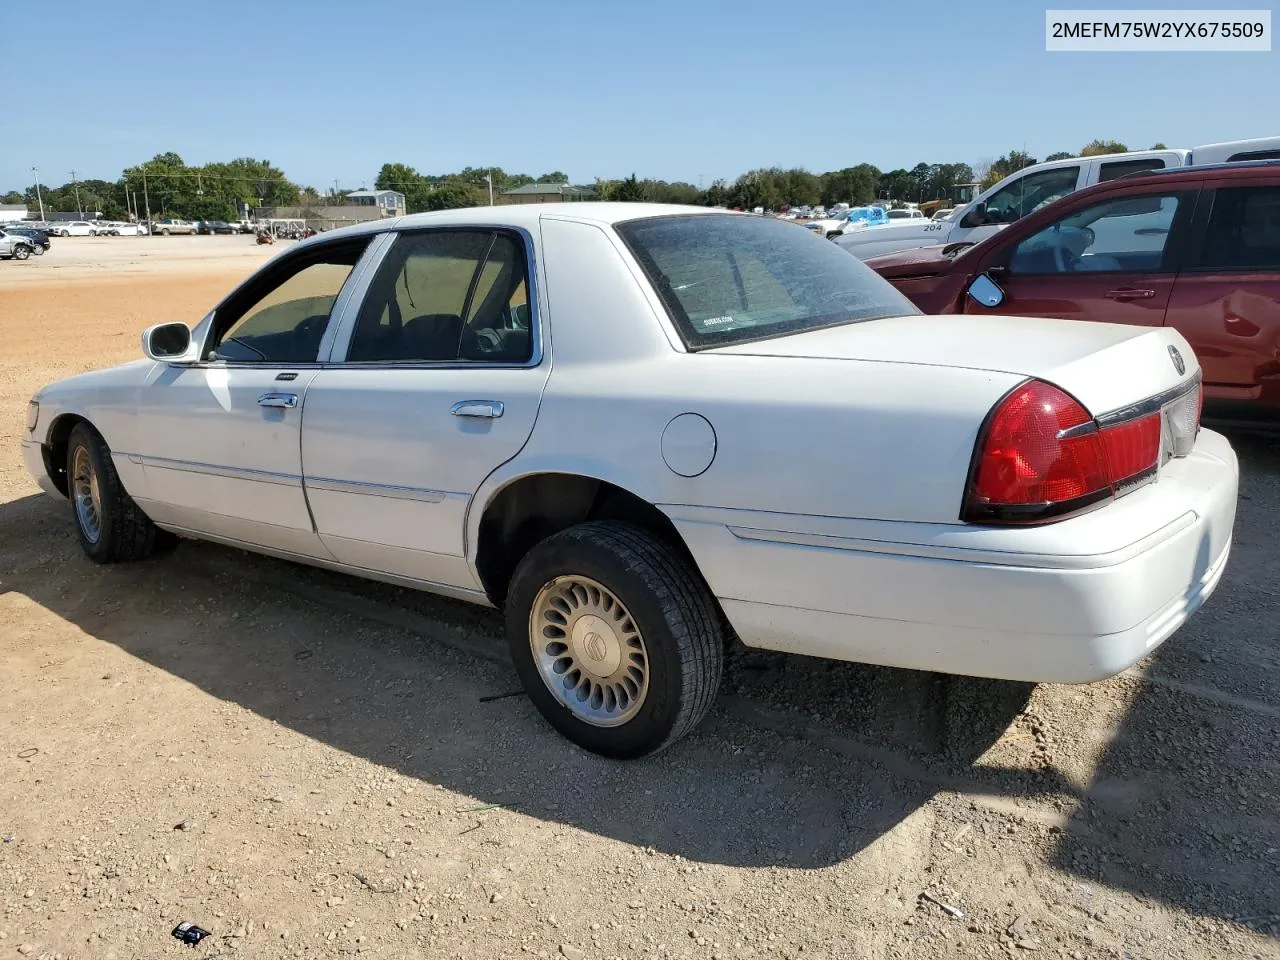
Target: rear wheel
<point>616,638</point>
<point>164,233</point>
<point>112,528</point>
<point>38,251</point>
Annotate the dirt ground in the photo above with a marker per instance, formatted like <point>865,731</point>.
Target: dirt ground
<point>309,765</point>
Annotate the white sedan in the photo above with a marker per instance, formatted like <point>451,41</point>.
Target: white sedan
<point>640,429</point>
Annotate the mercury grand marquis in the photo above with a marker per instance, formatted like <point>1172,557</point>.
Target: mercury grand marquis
<point>641,430</point>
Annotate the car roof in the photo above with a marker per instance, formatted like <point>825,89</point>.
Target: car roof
<point>524,215</point>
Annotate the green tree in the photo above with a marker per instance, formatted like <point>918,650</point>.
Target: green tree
<point>1096,147</point>
<point>555,176</point>
<point>1158,146</point>
<point>13,197</point>
<point>403,178</point>
<point>1060,155</point>
<point>629,190</point>
<point>854,185</point>
<point>1011,162</point>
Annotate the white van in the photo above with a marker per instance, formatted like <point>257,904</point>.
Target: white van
<point>1032,187</point>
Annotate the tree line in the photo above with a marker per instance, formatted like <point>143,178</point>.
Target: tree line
<point>218,191</point>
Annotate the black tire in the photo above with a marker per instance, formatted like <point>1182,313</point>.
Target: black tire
<point>38,250</point>
<point>21,252</point>
<point>164,233</point>
<point>125,532</point>
<point>673,610</point>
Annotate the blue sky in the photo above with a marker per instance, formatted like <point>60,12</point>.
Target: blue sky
<point>691,90</point>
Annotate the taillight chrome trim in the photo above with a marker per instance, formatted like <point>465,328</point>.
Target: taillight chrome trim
<point>1153,404</point>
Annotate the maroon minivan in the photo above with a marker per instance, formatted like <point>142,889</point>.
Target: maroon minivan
<point>1196,248</point>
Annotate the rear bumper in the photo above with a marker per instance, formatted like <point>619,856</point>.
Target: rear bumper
<point>1071,602</point>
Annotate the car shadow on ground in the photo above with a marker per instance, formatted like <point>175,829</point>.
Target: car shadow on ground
<point>423,686</point>
<point>803,763</point>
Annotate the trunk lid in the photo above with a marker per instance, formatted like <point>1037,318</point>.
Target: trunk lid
<point>1105,366</point>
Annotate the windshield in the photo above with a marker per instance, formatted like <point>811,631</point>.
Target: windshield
<point>728,279</point>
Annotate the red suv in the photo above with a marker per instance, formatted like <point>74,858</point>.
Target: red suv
<point>1196,248</point>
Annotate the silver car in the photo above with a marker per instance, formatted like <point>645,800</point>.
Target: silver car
<point>15,245</point>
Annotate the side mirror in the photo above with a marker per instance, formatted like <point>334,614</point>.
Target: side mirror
<point>986,291</point>
<point>976,216</point>
<point>166,341</point>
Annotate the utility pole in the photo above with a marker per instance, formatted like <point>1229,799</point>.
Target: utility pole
<point>76,186</point>
<point>39,199</point>
<point>146,198</point>
<point>489,180</point>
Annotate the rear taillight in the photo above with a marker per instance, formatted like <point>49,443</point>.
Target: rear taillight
<point>1041,456</point>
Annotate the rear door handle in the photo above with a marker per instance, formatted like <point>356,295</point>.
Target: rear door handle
<point>286,400</point>
<point>1129,293</point>
<point>477,408</point>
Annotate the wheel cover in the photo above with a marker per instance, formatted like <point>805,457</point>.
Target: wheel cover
<point>589,651</point>
<point>84,488</point>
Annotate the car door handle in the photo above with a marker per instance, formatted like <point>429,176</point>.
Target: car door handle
<point>1129,293</point>
<point>286,400</point>
<point>477,408</point>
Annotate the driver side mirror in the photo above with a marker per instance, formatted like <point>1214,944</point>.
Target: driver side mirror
<point>166,341</point>
<point>976,216</point>
<point>986,291</point>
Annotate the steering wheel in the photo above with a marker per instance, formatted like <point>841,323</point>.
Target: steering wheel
<point>1060,251</point>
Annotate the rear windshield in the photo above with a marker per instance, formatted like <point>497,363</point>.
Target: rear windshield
<point>729,278</point>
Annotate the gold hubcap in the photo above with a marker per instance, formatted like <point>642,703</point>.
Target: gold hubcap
<point>589,651</point>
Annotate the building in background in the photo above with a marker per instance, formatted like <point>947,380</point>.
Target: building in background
<point>390,202</point>
<point>547,193</point>
<point>12,212</point>
<point>358,206</point>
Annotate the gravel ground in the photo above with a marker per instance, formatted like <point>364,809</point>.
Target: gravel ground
<point>305,764</point>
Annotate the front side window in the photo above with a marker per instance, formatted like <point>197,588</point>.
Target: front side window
<point>1128,234</point>
<point>282,317</point>
<point>728,279</point>
<point>1243,231</point>
<point>1028,194</point>
<point>447,295</point>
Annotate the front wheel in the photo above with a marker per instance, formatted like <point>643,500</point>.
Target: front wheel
<point>164,233</point>
<point>616,638</point>
<point>112,528</point>
<point>21,253</point>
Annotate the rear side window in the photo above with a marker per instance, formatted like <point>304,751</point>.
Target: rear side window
<point>730,279</point>
<point>1255,155</point>
<point>1243,231</point>
<point>1122,168</point>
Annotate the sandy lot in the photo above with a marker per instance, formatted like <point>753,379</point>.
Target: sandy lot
<point>357,775</point>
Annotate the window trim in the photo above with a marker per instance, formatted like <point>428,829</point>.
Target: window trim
<point>271,268</point>
<point>1175,248</point>
<point>337,359</point>
<point>1199,233</point>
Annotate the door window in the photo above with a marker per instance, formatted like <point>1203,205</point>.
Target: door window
<point>1244,230</point>
<point>447,295</point>
<point>282,317</point>
<point>1128,234</point>
<point>1030,193</point>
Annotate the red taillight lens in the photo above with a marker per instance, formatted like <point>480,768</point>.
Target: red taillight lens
<point>1131,447</point>
<point>1041,455</point>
